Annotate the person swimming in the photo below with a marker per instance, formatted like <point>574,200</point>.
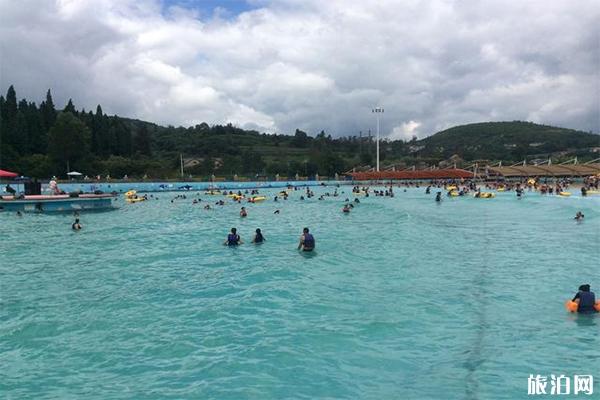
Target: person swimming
<point>579,216</point>
<point>587,299</point>
<point>76,226</point>
<point>258,237</point>
<point>243,212</point>
<point>438,196</point>
<point>307,241</point>
<point>233,239</point>
<point>346,209</point>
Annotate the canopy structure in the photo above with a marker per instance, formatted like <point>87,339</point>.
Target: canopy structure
<point>7,174</point>
<point>561,170</point>
<point>74,173</point>
<point>448,173</point>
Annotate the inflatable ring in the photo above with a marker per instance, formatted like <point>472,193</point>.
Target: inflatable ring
<point>571,306</point>
<point>565,194</point>
<point>500,189</point>
<point>135,200</point>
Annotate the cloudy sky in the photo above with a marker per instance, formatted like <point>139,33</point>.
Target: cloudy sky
<point>311,64</point>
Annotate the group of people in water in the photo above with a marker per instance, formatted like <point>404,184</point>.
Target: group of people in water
<point>306,243</point>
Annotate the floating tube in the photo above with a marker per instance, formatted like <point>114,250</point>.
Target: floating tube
<point>500,189</point>
<point>449,188</point>
<point>593,192</point>
<point>485,195</point>
<point>531,182</point>
<point>454,193</point>
<point>135,200</point>
<point>572,306</point>
<point>212,193</point>
<point>565,194</point>
<point>256,199</point>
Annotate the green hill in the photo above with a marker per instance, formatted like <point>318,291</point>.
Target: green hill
<point>507,141</point>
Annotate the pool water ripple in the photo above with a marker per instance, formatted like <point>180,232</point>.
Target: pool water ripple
<point>404,298</point>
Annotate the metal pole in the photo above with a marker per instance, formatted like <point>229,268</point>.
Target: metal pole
<point>377,140</point>
<point>181,161</point>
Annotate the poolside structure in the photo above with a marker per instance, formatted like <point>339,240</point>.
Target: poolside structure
<point>447,173</point>
<point>559,170</point>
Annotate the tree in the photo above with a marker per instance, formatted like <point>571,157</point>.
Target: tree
<point>142,142</point>
<point>70,107</point>
<point>48,112</point>
<point>69,140</point>
<point>300,139</point>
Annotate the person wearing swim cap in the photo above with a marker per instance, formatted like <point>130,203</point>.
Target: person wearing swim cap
<point>243,212</point>
<point>587,299</point>
<point>307,241</point>
<point>233,239</point>
<point>258,237</point>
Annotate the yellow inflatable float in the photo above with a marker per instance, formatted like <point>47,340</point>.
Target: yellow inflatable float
<point>564,194</point>
<point>485,195</point>
<point>130,193</point>
<point>135,199</point>
<point>256,199</point>
<point>501,189</point>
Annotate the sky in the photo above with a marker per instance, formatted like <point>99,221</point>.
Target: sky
<point>277,66</point>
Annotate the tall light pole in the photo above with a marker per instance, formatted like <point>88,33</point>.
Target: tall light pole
<point>377,111</point>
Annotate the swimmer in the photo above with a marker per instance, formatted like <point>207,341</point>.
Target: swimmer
<point>276,212</point>
<point>76,226</point>
<point>233,239</point>
<point>579,216</point>
<point>258,237</point>
<point>243,212</point>
<point>438,196</point>
<point>207,207</point>
<point>587,299</point>
<point>275,198</point>
<point>357,201</point>
<point>346,209</point>
<point>307,241</point>
<point>19,214</point>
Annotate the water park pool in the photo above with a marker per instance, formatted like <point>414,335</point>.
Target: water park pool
<point>403,298</point>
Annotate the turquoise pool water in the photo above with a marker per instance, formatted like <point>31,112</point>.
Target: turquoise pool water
<point>404,299</point>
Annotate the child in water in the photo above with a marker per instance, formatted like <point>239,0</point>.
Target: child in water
<point>258,237</point>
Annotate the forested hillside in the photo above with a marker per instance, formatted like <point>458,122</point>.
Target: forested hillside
<point>44,140</point>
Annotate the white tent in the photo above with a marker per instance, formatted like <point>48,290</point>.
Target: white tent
<point>74,173</point>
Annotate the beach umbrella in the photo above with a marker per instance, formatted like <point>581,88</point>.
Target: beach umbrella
<point>74,173</point>
<point>7,174</point>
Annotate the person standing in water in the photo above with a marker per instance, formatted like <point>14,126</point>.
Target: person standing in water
<point>307,241</point>
<point>233,239</point>
<point>243,212</point>
<point>579,216</point>
<point>258,237</point>
<point>587,299</point>
<point>76,226</point>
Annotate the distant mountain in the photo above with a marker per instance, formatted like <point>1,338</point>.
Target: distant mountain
<point>505,141</point>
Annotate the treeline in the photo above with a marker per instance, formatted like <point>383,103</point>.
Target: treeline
<point>41,141</point>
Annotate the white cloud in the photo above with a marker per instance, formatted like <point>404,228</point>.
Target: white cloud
<point>312,65</point>
<point>405,131</point>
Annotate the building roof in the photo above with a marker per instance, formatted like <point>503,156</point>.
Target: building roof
<point>448,173</point>
<point>547,170</point>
